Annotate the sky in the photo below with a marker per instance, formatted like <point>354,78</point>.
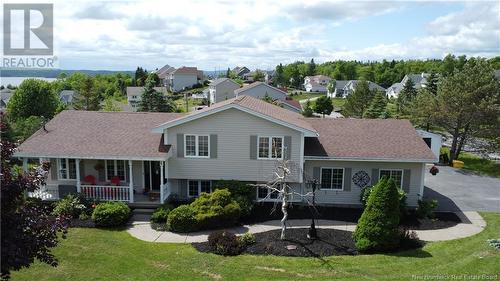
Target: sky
<point>215,35</point>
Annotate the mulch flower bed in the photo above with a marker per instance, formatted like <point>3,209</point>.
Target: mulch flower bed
<point>330,242</point>
<point>440,221</point>
<point>81,223</point>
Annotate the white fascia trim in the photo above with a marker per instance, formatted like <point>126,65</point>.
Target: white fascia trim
<point>182,120</point>
<point>360,159</point>
<point>21,155</point>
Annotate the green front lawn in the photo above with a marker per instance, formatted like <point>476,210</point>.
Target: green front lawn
<point>477,164</point>
<point>94,254</point>
<point>305,96</point>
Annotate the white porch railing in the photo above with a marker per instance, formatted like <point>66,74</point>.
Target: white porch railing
<point>107,192</point>
<point>164,192</point>
<point>46,192</point>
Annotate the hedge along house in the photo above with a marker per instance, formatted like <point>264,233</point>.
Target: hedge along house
<point>132,156</point>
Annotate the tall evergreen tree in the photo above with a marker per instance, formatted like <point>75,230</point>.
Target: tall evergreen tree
<point>87,97</point>
<point>228,73</point>
<point>154,101</point>
<point>307,111</point>
<point>432,83</point>
<point>311,68</point>
<point>358,101</point>
<point>279,78</point>
<point>377,108</point>
<point>406,96</point>
<point>323,105</point>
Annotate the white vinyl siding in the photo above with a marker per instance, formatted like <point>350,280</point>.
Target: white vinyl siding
<point>270,147</point>
<point>115,168</point>
<point>266,193</point>
<point>332,178</point>
<point>395,174</point>
<point>67,169</point>
<point>197,146</point>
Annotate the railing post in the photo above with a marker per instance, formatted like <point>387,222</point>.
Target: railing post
<point>25,165</point>
<point>162,179</point>
<point>131,182</point>
<point>78,182</point>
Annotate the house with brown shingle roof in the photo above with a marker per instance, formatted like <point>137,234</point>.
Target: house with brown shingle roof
<point>183,78</point>
<point>146,157</point>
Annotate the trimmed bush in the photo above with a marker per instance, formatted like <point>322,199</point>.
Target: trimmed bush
<point>247,239</point>
<point>244,194</point>
<point>73,205</point>
<point>403,206</point>
<point>377,229</point>
<point>224,243</point>
<point>110,214</point>
<point>426,208</point>
<point>182,219</point>
<point>160,215</point>
<point>210,210</point>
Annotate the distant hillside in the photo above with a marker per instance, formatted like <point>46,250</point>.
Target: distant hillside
<point>53,73</point>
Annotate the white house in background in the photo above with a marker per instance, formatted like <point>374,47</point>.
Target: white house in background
<point>419,80</point>
<point>164,74</point>
<point>338,92</point>
<point>350,87</point>
<point>184,78</point>
<point>134,95</point>
<point>260,90</point>
<point>5,95</point>
<point>240,71</point>
<point>317,83</point>
<point>222,89</point>
<point>433,141</point>
<point>67,96</point>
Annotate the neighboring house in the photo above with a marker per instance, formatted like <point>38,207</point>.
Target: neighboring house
<point>184,78</point>
<point>317,83</point>
<point>239,139</point>
<point>269,76</point>
<point>338,92</point>
<point>241,71</point>
<point>164,74</point>
<point>67,96</point>
<point>350,87</point>
<point>419,80</point>
<point>134,95</point>
<point>260,90</point>
<point>433,141</point>
<point>5,95</point>
<point>292,105</point>
<point>221,89</point>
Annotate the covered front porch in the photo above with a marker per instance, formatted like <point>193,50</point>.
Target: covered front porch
<point>127,180</point>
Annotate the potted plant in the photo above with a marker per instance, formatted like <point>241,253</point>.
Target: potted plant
<point>434,170</point>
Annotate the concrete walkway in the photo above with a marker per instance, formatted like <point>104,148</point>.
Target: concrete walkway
<point>472,223</point>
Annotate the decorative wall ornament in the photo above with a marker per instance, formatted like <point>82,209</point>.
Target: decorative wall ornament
<point>361,179</point>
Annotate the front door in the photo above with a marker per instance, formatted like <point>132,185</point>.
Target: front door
<point>152,175</point>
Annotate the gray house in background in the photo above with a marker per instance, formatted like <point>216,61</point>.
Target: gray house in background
<point>260,90</point>
<point>419,80</point>
<point>134,95</point>
<point>221,89</point>
<point>343,88</point>
<point>5,96</point>
<point>67,96</point>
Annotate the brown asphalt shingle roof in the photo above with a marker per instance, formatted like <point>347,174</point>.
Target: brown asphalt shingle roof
<point>90,134</point>
<point>255,84</point>
<point>375,139</point>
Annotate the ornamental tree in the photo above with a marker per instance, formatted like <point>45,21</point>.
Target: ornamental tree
<point>28,230</point>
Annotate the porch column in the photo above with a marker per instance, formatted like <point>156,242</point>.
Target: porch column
<point>25,165</point>
<point>78,182</point>
<point>131,182</point>
<point>161,181</point>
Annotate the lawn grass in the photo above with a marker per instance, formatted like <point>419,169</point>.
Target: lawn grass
<point>477,164</point>
<point>181,103</point>
<point>96,254</point>
<point>306,95</point>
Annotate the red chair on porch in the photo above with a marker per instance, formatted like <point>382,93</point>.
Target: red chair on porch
<point>89,179</point>
<point>115,180</point>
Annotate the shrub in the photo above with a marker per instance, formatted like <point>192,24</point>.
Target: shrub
<point>403,207</point>
<point>160,215</point>
<point>377,229</point>
<point>224,243</point>
<point>72,205</point>
<point>242,193</point>
<point>495,243</point>
<point>409,239</point>
<point>426,208</point>
<point>111,214</point>
<point>83,216</point>
<point>247,239</point>
<point>182,219</point>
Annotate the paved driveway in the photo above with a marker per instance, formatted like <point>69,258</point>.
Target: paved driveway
<point>458,189</point>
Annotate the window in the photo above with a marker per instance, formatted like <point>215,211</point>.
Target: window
<point>197,146</point>
<point>396,175</point>
<point>332,178</point>
<point>263,192</point>
<point>67,169</point>
<point>115,168</point>
<point>196,187</point>
<point>270,144</point>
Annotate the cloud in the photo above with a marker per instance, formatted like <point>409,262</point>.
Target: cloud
<point>99,11</point>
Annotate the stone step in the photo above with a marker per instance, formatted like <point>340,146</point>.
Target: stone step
<point>143,211</point>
